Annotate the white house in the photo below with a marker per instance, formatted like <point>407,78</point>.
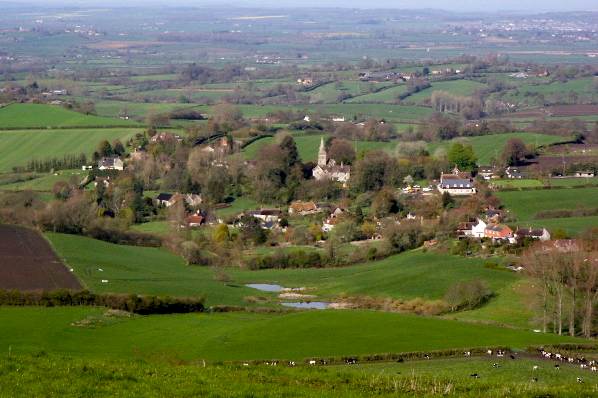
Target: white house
<point>478,230</point>
<point>111,163</point>
<point>456,184</point>
<point>541,234</point>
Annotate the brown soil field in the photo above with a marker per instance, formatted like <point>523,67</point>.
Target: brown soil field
<point>27,262</point>
<point>574,110</point>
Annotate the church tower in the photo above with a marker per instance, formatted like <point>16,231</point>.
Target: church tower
<point>322,157</point>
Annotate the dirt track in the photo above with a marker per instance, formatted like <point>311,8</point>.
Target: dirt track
<point>27,262</point>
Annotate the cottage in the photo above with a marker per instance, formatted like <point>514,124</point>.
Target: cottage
<point>266,215</point>
<point>193,200</point>
<point>195,220</point>
<point>487,172</point>
<point>111,163</point>
<point>476,229</point>
<point>585,174</point>
<point>498,232</point>
<point>332,220</point>
<point>538,233</point>
<point>456,183</point>
<point>164,199</point>
<point>494,216</point>
<point>328,169</point>
<point>513,173</point>
<point>165,137</point>
<point>303,208</point>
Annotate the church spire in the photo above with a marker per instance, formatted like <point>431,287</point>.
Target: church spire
<point>322,157</point>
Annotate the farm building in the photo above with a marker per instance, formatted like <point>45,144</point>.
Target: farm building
<point>195,220</point>
<point>498,232</point>
<point>111,163</point>
<point>456,183</point>
<point>303,208</point>
<point>487,172</point>
<point>513,173</point>
<point>538,233</point>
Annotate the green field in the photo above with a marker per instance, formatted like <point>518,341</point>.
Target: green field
<point>488,147</point>
<point>553,182</point>
<point>407,275</point>
<point>19,147</point>
<point>454,87</point>
<point>44,182</point>
<point>308,146</point>
<point>141,270</point>
<point>21,116</point>
<point>525,204</point>
<point>243,336</point>
<point>55,375</point>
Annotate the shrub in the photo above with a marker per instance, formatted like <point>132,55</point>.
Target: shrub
<point>468,295</point>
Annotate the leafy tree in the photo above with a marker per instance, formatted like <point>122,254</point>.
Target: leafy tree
<point>252,231</point>
<point>290,147</point>
<point>221,233</point>
<point>105,149</point>
<point>462,156</point>
<point>514,152</point>
<point>341,151</point>
<point>118,148</point>
<point>385,203</point>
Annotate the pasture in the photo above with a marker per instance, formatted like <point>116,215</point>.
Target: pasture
<point>407,275</point>
<point>19,147</point>
<point>454,87</point>
<point>308,145</point>
<point>39,116</point>
<point>43,182</point>
<point>141,270</point>
<point>488,147</point>
<point>28,263</point>
<point>91,333</point>
<point>526,204</point>
<point>55,375</point>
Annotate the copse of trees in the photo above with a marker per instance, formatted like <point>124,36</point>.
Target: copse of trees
<point>462,156</point>
<point>53,164</point>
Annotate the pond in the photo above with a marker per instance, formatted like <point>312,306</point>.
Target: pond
<point>313,305</point>
<point>264,287</point>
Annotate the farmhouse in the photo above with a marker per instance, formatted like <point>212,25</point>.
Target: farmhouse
<point>498,232</point>
<point>303,208</point>
<point>111,163</point>
<point>266,215</point>
<point>456,183</point>
<point>165,137</point>
<point>332,220</point>
<point>195,220</point>
<point>164,199</point>
<point>487,172</point>
<point>328,169</point>
<point>539,233</point>
<point>513,173</point>
<point>475,229</point>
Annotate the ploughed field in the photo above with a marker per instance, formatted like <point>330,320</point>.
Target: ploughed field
<point>27,262</point>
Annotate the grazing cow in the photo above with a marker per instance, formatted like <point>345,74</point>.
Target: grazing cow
<point>400,360</point>
<point>500,353</point>
<point>579,380</point>
<point>489,352</point>
<point>467,353</point>
<point>495,365</point>
<point>474,375</point>
<point>534,379</point>
<point>570,360</point>
<point>292,363</point>
<point>351,361</point>
<point>583,366</point>
<point>427,356</point>
<point>312,362</point>
<point>594,369</point>
<point>245,364</point>
<point>512,356</point>
<point>557,367</point>
<point>535,367</point>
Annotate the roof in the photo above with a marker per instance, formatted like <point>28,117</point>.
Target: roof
<point>455,183</point>
<point>164,196</point>
<point>195,219</point>
<point>499,228</point>
<point>265,212</point>
<point>108,161</point>
<point>300,206</point>
<point>530,232</point>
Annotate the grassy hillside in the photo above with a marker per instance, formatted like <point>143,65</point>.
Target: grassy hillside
<point>491,146</point>
<point>408,275</point>
<point>86,332</point>
<point>43,182</point>
<point>18,147</point>
<point>48,116</point>
<point>131,269</point>
<point>525,204</point>
<point>308,146</point>
<point>455,87</point>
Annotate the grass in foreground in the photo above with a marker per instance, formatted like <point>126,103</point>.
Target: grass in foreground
<point>244,336</point>
<point>53,375</point>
